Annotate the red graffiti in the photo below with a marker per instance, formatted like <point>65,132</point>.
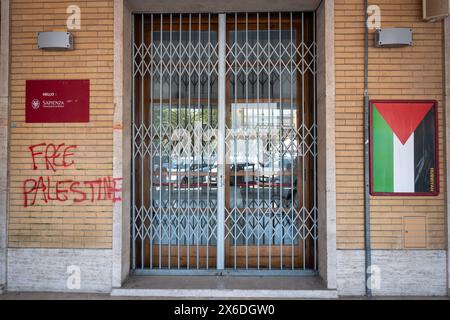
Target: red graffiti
<point>47,188</point>
<point>55,156</point>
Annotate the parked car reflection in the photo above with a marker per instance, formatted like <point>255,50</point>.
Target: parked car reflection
<point>187,171</point>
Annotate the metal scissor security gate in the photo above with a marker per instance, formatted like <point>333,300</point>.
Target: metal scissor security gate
<point>224,143</point>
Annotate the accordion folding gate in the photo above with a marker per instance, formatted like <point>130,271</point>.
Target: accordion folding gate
<point>224,150</point>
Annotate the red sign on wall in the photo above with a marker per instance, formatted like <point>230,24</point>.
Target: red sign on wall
<point>51,101</point>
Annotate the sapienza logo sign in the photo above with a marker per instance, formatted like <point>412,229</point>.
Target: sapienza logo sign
<point>36,103</point>
<point>50,101</point>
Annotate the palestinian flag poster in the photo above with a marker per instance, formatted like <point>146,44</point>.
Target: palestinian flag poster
<point>403,148</point>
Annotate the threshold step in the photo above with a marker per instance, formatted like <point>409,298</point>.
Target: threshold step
<point>224,287</point>
<point>226,293</point>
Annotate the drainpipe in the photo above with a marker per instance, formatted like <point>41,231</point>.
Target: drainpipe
<point>368,257</point>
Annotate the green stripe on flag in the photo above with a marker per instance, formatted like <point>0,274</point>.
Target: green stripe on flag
<point>383,160</point>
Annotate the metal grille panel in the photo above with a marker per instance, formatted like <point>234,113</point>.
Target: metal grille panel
<point>271,142</point>
<point>175,141</point>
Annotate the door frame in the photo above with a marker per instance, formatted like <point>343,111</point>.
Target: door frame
<point>326,138</point>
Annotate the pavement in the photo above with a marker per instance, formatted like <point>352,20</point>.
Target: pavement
<point>95,296</point>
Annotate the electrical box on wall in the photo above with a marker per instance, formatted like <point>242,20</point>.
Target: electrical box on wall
<point>55,41</point>
<point>434,10</point>
<point>393,37</point>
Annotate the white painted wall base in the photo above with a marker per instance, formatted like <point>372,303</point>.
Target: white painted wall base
<point>2,267</point>
<point>46,270</point>
<point>403,272</point>
<point>350,273</point>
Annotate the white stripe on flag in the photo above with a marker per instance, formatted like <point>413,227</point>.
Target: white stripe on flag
<point>404,165</point>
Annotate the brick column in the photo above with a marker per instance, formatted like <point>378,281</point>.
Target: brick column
<point>326,106</point>
<point>121,136</point>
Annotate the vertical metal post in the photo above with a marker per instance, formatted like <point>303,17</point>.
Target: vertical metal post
<point>304,234</point>
<point>160,142</point>
<point>152,135</point>
<point>208,204</point>
<point>200,159</point>
<point>171,213</point>
<point>271,123</point>
<point>248,210</point>
<point>258,132</point>
<point>141,146</point>
<point>293,155</point>
<point>179,205</point>
<point>221,144</point>
<point>235,214</point>
<point>188,166</point>
<point>367,244</point>
<point>315,140</point>
<point>281,142</point>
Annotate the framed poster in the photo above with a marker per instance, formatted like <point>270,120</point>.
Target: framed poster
<point>404,158</point>
<point>56,101</point>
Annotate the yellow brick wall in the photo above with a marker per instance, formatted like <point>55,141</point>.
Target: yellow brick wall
<point>403,73</point>
<point>61,225</point>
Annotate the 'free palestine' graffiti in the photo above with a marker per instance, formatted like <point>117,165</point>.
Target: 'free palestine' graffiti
<point>48,188</point>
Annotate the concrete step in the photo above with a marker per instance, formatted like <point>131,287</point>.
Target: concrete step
<point>225,287</point>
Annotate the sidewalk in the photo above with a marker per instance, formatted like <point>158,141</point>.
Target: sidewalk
<point>93,296</point>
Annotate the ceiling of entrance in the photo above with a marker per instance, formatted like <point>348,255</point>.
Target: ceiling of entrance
<point>196,6</point>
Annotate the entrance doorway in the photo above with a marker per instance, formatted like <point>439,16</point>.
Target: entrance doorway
<point>224,143</point>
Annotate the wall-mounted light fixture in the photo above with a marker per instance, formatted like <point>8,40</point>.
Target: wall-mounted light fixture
<point>55,41</point>
<point>393,37</point>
